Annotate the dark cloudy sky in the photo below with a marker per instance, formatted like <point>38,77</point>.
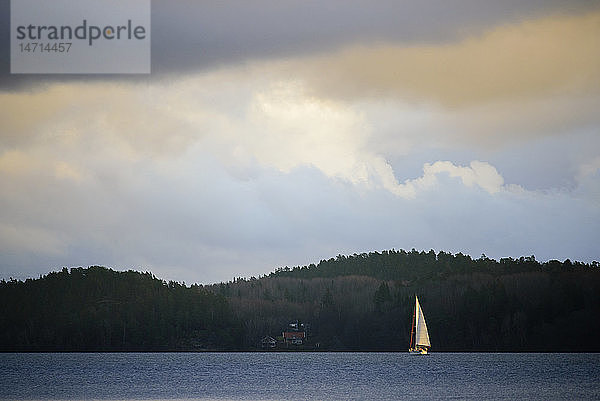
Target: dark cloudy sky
<point>275,133</point>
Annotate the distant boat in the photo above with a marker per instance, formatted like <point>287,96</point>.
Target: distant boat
<point>419,337</point>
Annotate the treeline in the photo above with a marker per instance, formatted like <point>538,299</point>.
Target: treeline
<point>415,265</point>
<point>98,309</point>
<point>360,302</point>
<point>366,301</point>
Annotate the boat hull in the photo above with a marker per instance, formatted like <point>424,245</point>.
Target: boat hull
<point>418,351</point>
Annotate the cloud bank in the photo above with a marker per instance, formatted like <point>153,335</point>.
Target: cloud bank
<point>301,133</point>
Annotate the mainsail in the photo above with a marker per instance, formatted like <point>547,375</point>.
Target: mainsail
<point>421,334</point>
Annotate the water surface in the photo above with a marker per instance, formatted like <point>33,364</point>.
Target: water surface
<point>299,376</point>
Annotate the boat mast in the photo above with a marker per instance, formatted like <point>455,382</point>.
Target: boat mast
<point>412,325</point>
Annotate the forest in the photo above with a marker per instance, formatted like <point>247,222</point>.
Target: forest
<point>99,309</point>
<point>361,302</point>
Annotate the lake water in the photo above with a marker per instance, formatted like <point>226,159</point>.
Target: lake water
<point>299,376</point>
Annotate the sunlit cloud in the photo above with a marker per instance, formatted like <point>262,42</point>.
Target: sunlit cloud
<point>534,58</point>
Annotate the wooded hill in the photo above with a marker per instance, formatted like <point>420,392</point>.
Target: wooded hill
<point>366,301</point>
<point>358,302</point>
<point>98,309</point>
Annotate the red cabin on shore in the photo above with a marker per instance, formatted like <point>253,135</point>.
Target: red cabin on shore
<point>294,337</point>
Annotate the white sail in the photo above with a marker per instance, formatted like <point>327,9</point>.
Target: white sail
<point>421,334</point>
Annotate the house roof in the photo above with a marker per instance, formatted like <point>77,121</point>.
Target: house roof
<point>294,334</point>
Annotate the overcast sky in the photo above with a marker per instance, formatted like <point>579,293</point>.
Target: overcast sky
<point>274,133</point>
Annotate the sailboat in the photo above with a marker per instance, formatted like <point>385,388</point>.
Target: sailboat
<point>419,337</point>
